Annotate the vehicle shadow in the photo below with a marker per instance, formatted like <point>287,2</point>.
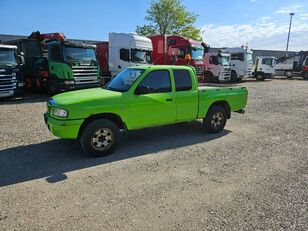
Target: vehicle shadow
<point>29,97</point>
<point>52,159</point>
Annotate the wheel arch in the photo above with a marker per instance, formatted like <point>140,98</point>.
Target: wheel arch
<point>108,116</point>
<point>224,104</point>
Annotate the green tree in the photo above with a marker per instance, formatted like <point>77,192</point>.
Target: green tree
<point>169,17</point>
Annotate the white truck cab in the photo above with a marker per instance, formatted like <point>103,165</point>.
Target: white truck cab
<point>217,66</point>
<point>241,62</point>
<point>127,50</point>
<point>264,67</point>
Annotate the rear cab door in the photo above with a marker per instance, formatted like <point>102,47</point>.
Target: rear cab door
<point>186,94</point>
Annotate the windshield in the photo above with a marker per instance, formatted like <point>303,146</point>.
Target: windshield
<point>141,56</point>
<point>248,57</point>
<point>124,80</point>
<point>8,57</point>
<point>78,54</point>
<point>306,61</point>
<point>197,53</point>
<point>224,60</point>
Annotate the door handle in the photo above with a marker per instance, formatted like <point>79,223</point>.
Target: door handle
<point>169,100</point>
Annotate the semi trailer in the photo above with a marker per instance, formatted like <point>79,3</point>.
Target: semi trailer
<point>217,66</point>
<point>54,64</point>
<point>177,50</point>
<point>241,62</point>
<point>122,51</point>
<point>11,75</point>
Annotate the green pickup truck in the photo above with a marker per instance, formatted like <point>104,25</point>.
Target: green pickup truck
<point>140,97</point>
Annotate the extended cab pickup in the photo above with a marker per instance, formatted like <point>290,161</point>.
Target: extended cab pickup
<point>140,97</point>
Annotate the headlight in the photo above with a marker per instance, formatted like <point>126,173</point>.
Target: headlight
<point>60,112</point>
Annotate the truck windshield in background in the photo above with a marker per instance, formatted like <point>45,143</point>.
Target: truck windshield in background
<point>197,52</point>
<point>248,56</point>
<point>8,58</point>
<point>77,54</point>
<point>124,80</point>
<point>224,60</point>
<point>141,56</point>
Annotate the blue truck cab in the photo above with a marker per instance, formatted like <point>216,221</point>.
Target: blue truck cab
<point>11,74</point>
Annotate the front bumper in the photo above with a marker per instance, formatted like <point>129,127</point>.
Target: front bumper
<point>66,129</point>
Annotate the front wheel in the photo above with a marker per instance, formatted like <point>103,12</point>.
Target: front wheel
<point>260,77</point>
<point>53,86</point>
<point>215,119</point>
<point>233,76</point>
<point>100,138</point>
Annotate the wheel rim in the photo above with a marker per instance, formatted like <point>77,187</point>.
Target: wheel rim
<point>102,139</point>
<point>259,76</point>
<point>217,120</point>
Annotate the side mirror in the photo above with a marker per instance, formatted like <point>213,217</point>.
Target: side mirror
<point>21,59</point>
<point>142,90</point>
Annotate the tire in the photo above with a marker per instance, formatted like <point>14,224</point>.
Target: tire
<point>306,76</point>
<point>233,76</point>
<point>100,138</point>
<point>289,74</point>
<point>53,86</point>
<point>260,77</point>
<point>215,119</point>
<point>208,77</point>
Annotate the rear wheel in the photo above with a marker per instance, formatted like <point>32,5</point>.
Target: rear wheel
<point>215,119</point>
<point>289,74</point>
<point>100,138</point>
<point>208,77</point>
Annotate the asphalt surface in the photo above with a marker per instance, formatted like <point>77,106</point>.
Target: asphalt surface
<point>251,176</point>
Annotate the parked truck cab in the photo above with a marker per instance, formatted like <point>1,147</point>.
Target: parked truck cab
<point>171,50</point>
<point>71,66</point>
<point>35,69</point>
<point>241,62</point>
<point>264,67</point>
<point>217,66</point>
<point>11,76</point>
<point>122,51</point>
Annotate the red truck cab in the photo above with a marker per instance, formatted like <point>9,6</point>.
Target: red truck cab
<point>171,50</point>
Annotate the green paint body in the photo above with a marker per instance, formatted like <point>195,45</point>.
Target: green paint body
<point>141,111</point>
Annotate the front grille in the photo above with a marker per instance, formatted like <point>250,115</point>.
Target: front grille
<point>199,70</point>
<point>85,74</point>
<point>8,82</point>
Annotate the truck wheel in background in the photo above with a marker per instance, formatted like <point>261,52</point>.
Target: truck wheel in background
<point>260,77</point>
<point>53,86</point>
<point>306,76</point>
<point>233,76</point>
<point>289,74</point>
<point>208,77</point>
<point>215,119</point>
<point>100,138</point>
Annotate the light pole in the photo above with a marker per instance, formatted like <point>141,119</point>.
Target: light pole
<point>291,14</point>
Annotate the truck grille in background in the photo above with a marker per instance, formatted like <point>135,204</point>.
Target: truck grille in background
<point>199,70</point>
<point>85,74</point>
<point>8,82</point>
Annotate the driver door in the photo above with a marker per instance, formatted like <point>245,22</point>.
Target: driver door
<point>156,105</point>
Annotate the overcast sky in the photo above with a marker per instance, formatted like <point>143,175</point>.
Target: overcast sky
<point>260,23</point>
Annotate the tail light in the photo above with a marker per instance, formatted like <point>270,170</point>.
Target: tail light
<point>44,74</point>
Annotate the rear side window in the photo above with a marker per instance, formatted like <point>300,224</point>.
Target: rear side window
<point>157,82</point>
<point>182,80</point>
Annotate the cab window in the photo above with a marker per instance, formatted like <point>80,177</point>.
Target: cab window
<point>182,79</point>
<point>156,82</point>
<point>55,53</point>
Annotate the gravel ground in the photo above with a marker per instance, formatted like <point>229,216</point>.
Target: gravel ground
<point>252,176</point>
